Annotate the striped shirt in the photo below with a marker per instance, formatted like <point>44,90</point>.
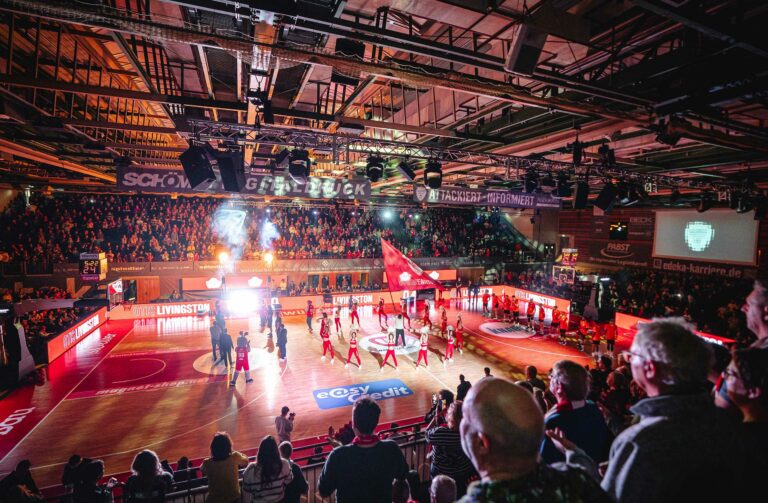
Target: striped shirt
<point>448,458</point>
<point>257,491</point>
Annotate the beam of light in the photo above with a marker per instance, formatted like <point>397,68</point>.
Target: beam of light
<point>268,234</point>
<point>268,258</point>
<point>229,227</point>
<point>242,302</point>
<point>223,257</point>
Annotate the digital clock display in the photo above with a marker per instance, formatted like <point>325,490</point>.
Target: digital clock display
<point>89,266</point>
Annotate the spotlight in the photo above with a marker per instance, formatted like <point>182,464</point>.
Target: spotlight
<point>665,136</point>
<point>268,258</point>
<point>387,215</point>
<point>433,174</point>
<point>531,181</point>
<point>374,170</point>
<point>406,170</point>
<point>298,165</point>
<point>223,257</point>
<point>705,202</point>
<point>563,188</point>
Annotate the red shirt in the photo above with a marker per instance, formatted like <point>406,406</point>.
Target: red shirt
<point>563,321</point>
<point>310,311</point>
<point>542,314</point>
<point>610,332</point>
<point>353,343</point>
<point>583,326</point>
<point>241,354</point>
<point>485,297</point>
<point>531,308</point>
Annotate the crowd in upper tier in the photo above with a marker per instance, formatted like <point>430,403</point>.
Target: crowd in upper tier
<point>160,228</point>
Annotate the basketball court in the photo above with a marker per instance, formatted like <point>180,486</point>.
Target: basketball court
<point>153,384</point>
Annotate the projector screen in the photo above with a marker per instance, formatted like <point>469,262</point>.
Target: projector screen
<point>714,236</point>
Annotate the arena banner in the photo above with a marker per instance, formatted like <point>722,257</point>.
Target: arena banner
<point>628,325</point>
<point>128,269</point>
<point>71,336</point>
<point>345,395</point>
<point>461,196</point>
<point>175,181</point>
<point>160,310</point>
<point>703,268</point>
<point>171,267</point>
<point>619,253</point>
<point>549,302</point>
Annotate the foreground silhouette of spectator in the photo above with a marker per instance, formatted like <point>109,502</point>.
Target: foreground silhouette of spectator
<point>18,486</point>
<point>501,431</point>
<point>298,485</point>
<point>683,448</point>
<point>442,490</point>
<point>265,480</point>
<point>365,469</point>
<point>149,482</point>
<point>448,458</point>
<point>222,470</point>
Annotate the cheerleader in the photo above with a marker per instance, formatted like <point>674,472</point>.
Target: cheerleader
<point>382,314</point>
<point>449,346</point>
<point>404,311</point>
<point>424,347</point>
<point>459,334</point>
<point>353,350</point>
<point>325,335</point>
<point>337,320</point>
<point>390,349</point>
<point>427,321</point>
<point>353,316</point>
<point>443,321</point>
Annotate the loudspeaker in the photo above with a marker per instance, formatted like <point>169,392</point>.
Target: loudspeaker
<point>607,197</point>
<point>524,54</point>
<point>198,167</point>
<point>581,195</point>
<point>232,170</point>
<point>351,49</point>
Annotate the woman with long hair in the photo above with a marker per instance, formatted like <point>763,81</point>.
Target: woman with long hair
<point>264,481</point>
<point>448,458</point>
<point>149,482</point>
<point>222,470</point>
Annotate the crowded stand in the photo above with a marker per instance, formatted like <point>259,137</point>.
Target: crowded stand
<point>41,326</point>
<point>161,228</point>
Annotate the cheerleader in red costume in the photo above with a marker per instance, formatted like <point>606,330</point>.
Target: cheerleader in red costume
<point>390,349</point>
<point>353,350</point>
<point>449,346</point>
<point>382,314</point>
<point>337,320</point>
<point>353,316</point>
<point>459,334</point>
<point>404,312</point>
<point>427,321</point>
<point>325,334</point>
<point>443,322</point>
<point>424,347</point>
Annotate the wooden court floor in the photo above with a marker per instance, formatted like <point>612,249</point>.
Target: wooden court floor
<point>152,384</point>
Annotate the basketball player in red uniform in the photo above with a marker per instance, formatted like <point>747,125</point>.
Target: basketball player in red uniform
<point>325,335</point>
<point>424,347</point>
<point>583,330</point>
<point>494,305</point>
<point>353,350</point>
<point>382,314</point>
<point>486,297</point>
<point>310,314</point>
<point>515,307</point>
<point>530,312</point>
<point>337,320</point>
<point>506,304</point>
<point>610,336</point>
<point>597,334</point>
<point>555,320</point>
<point>241,359</point>
<point>449,345</point>
<point>390,349</point>
<point>459,334</point>
<point>404,312</point>
<point>443,321</point>
<point>542,317</point>
<point>563,327</point>
<point>353,313</point>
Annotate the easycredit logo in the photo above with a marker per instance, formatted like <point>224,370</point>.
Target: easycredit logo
<point>345,396</point>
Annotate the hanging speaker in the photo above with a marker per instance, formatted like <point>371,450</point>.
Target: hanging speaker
<point>232,170</point>
<point>198,167</point>
<point>607,197</point>
<point>581,195</point>
<point>524,53</point>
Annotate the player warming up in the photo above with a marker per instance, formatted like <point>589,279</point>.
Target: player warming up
<point>353,350</point>
<point>424,347</point>
<point>390,349</point>
<point>563,327</point>
<point>325,335</point>
<point>241,358</point>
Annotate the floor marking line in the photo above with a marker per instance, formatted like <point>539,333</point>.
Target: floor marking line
<point>165,364</point>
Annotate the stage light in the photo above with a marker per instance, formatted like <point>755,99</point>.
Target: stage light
<point>268,258</point>
<point>607,197</point>
<point>374,169</point>
<point>406,170</point>
<point>433,174</point>
<point>255,282</point>
<point>387,215</point>
<point>223,257</point>
<point>242,302</point>
<point>298,165</point>
<point>314,212</point>
<point>531,181</point>
<point>563,185</point>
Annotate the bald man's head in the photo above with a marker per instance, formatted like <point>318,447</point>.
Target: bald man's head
<point>501,423</point>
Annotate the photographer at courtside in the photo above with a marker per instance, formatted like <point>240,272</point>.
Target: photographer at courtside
<point>284,425</point>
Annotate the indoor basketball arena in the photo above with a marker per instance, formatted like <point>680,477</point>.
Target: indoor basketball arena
<point>383,251</point>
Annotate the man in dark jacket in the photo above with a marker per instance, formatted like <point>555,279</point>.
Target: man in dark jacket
<point>298,485</point>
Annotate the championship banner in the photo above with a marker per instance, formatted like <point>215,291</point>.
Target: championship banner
<point>175,181</point>
<point>461,196</point>
<point>402,273</point>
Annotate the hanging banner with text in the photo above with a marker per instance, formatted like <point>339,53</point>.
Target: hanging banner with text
<point>175,181</point>
<point>461,196</point>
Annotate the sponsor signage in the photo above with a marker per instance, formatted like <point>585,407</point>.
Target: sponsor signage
<point>629,324</point>
<point>162,310</point>
<point>706,269</point>
<point>621,253</point>
<point>170,180</point>
<point>13,419</point>
<point>640,225</point>
<point>345,396</point>
<point>461,196</point>
<point>505,330</point>
<point>378,344</point>
<point>65,340</point>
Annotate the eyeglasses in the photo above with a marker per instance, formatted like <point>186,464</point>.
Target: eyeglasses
<point>729,372</point>
<point>629,355</point>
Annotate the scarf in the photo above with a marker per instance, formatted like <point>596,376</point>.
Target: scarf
<point>366,440</point>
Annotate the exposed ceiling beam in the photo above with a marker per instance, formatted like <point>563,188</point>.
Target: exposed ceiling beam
<point>42,157</point>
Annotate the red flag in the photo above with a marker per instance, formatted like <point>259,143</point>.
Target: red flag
<point>402,273</point>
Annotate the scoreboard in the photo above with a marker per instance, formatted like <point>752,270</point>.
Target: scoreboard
<point>93,267</point>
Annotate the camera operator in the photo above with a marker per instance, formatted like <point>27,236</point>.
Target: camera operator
<point>440,402</point>
<point>284,424</point>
